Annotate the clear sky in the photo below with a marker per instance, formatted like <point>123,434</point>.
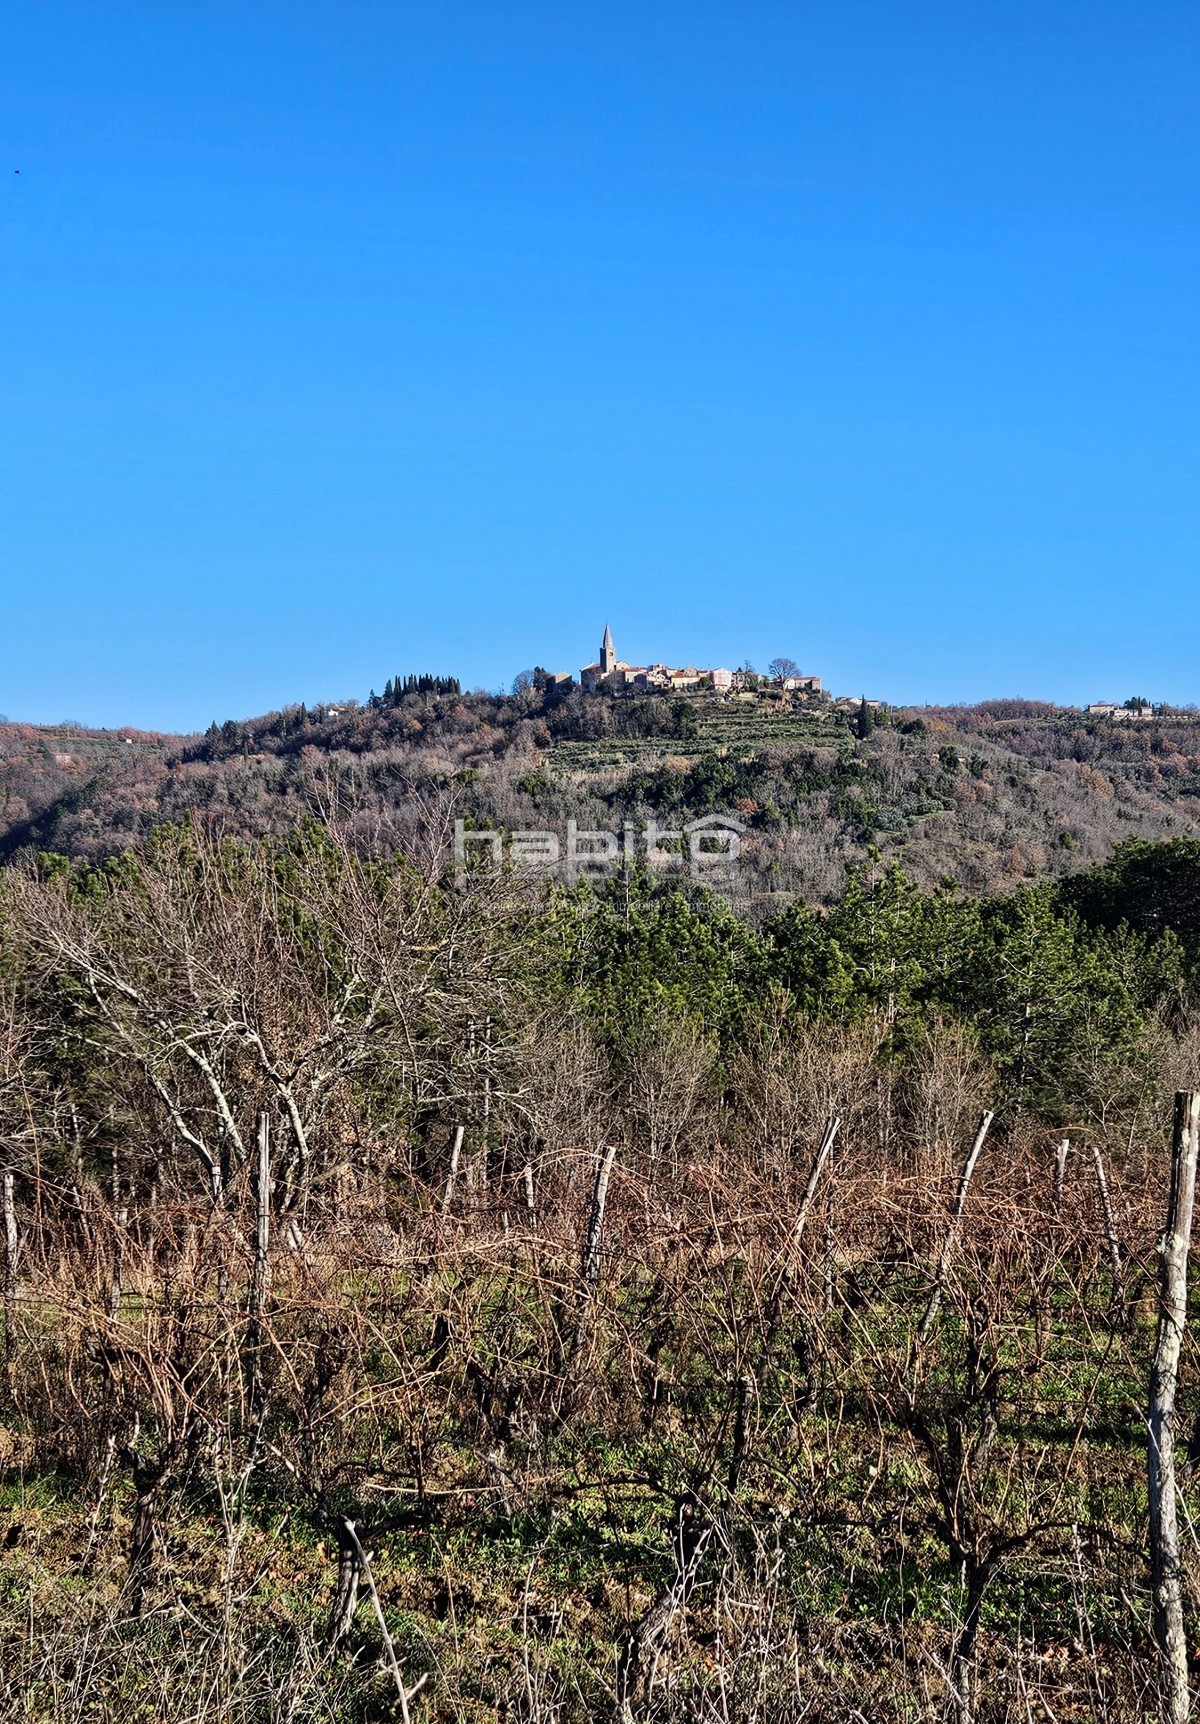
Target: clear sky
<point>346,339</point>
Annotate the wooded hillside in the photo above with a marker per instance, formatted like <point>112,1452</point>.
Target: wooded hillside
<point>987,796</point>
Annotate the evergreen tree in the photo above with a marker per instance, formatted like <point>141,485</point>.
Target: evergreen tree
<point>1152,887</point>
<point>644,947</point>
<point>1055,1012</point>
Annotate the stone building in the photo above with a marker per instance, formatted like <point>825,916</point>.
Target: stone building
<point>612,675</point>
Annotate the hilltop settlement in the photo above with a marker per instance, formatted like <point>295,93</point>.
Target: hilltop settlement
<point>612,675</point>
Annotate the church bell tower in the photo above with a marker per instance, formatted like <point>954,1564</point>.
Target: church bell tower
<point>608,653</point>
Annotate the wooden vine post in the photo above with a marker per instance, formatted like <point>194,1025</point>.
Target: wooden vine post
<point>595,1233</point>
<point>1165,1568</point>
<point>10,1267</point>
<point>259,1277</point>
<point>953,1231</point>
<point>262,1220</point>
<point>827,1140</point>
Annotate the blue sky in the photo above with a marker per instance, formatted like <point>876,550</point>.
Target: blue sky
<point>346,340</point>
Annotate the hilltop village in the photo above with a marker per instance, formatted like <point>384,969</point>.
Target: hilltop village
<point>613,675</point>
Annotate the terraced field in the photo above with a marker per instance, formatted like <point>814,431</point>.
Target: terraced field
<point>733,726</point>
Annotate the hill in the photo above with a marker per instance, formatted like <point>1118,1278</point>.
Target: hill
<point>984,795</point>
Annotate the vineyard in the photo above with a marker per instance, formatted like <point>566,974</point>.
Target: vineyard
<point>406,1316</point>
